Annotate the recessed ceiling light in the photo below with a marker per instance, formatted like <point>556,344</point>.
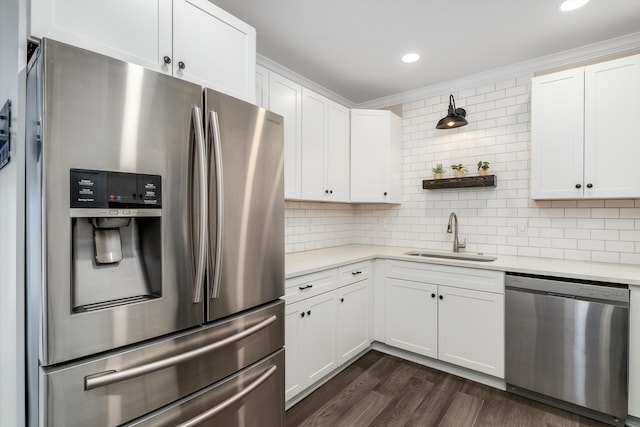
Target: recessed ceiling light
<point>569,5</point>
<point>410,57</point>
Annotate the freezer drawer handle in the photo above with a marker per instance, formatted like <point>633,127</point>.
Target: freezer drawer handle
<point>230,401</point>
<point>105,378</point>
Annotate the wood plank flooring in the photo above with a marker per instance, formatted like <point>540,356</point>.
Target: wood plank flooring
<point>383,390</point>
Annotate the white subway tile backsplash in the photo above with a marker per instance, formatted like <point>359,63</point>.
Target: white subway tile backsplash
<point>498,132</point>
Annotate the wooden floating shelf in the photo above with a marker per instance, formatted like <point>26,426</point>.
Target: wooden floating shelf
<point>464,182</point>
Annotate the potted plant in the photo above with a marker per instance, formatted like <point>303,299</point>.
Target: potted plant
<point>483,167</point>
<point>437,170</point>
<point>460,170</point>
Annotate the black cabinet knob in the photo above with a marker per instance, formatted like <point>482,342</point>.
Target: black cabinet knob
<point>441,297</point>
<point>167,59</point>
<point>330,191</point>
<point>181,65</point>
<point>433,295</point>
<point>326,191</point>
<point>578,185</point>
<point>385,193</point>
<point>589,185</point>
<point>302,314</point>
<point>308,312</point>
<point>341,299</point>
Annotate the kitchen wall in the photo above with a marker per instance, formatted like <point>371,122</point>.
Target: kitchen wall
<point>12,62</point>
<point>499,220</point>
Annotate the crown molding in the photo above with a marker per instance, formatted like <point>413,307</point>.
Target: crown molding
<point>295,77</point>
<point>615,46</point>
<point>571,57</point>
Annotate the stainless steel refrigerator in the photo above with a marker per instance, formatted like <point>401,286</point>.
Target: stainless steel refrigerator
<point>155,249</point>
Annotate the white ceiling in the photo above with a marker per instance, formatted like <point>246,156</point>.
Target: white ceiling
<point>353,47</point>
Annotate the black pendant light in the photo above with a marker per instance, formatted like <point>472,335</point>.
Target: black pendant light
<point>455,117</point>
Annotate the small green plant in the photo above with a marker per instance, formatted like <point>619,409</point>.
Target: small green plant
<point>483,165</point>
<point>438,168</point>
<point>458,167</point>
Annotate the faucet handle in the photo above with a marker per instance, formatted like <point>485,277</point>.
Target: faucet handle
<point>463,244</point>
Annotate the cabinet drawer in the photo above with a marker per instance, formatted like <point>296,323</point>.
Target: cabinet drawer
<point>352,273</point>
<point>301,287</point>
<point>459,277</point>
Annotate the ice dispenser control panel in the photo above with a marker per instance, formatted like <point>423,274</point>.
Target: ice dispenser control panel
<point>102,189</point>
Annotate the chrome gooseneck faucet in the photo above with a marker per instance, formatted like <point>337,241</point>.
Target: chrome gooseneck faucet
<point>452,227</point>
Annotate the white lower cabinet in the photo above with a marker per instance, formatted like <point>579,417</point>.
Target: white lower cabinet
<point>353,319</point>
<point>293,337</point>
<point>310,341</point>
<point>471,329</point>
<point>453,314</point>
<point>634,353</point>
<point>454,324</point>
<point>412,316</point>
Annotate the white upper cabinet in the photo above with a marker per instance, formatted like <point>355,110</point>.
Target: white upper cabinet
<point>612,104</point>
<point>581,132</point>
<point>140,34</point>
<point>325,149</point>
<point>190,39</point>
<point>213,48</point>
<point>285,98</point>
<point>557,129</point>
<point>375,157</point>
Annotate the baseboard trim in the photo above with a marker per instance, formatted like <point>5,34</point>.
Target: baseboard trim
<point>478,377</point>
<point>406,355</point>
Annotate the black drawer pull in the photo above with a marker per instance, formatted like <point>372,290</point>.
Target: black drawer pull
<point>302,288</point>
<point>355,273</point>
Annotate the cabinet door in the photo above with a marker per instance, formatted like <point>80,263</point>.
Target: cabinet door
<point>313,184</point>
<point>471,329</point>
<point>137,32</point>
<point>612,104</point>
<point>634,352</point>
<point>294,379</point>
<point>412,316</point>
<point>337,151</point>
<point>320,334</point>
<point>353,320</point>
<point>262,87</point>
<point>368,130</point>
<point>213,48</point>
<point>557,123</point>
<point>285,98</point>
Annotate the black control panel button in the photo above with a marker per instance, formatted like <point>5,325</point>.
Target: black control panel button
<point>103,189</point>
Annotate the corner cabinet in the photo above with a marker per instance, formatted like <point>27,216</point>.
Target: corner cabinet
<point>375,157</point>
<point>190,39</point>
<point>448,313</point>
<point>581,132</point>
<point>325,149</point>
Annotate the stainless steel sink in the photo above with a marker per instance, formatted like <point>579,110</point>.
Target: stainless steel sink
<point>460,256</point>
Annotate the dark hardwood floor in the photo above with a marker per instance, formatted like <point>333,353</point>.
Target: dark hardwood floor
<point>382,390</point>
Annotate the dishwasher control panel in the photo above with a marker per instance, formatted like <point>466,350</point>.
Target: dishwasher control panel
<point>568,287</point>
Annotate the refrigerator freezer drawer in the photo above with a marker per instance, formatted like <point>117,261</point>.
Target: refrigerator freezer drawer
<point>119,387</point>
<point>251,398</point>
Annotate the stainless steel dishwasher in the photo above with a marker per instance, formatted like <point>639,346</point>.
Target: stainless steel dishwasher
<point>567,343</point>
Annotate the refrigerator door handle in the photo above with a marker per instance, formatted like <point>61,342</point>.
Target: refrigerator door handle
<point>201,254</point>
<point>230,401</point>
<point>216,160</point>
<point>102,379</point>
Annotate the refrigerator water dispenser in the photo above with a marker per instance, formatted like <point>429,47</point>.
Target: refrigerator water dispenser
<point>116,238</point>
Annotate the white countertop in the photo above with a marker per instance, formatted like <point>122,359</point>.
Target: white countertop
<point>299,263</point>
